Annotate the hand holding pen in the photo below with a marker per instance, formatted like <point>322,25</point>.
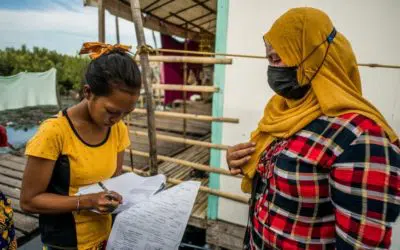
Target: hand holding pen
<point>107,201</point>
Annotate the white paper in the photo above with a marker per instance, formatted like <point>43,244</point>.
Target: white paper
<point>133,188</point>
<point>156,224</point>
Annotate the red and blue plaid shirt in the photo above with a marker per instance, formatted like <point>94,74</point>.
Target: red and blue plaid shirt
<point>334,185</point>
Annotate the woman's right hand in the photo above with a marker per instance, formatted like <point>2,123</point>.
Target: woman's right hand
<point>105,202</point>
<point>237,156</point>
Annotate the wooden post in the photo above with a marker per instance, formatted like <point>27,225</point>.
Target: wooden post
<point>102,25</point>
<point>185,76</point>
<point>144,61</point>
<point>117,28</point>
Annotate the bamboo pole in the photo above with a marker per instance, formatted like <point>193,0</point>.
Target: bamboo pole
<point>194,165</point>
<point>129,118</point>
<point>154,39</point>
<point>208,53</point>
<point>117,29</point>
<point>185,68</point>
<point>188,59</point>
<point>226,195</point>
<point>376,65</point>
<point>178,87</point>
<point>372,65</point>
<point>183,140</point>
<point>101,20</point>
<point>189,116</point>
<point>144,60</point>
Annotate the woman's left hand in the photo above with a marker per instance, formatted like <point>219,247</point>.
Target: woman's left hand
<point>237,156</point>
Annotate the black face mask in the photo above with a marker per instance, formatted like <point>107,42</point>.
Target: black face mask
<point>283,80</point>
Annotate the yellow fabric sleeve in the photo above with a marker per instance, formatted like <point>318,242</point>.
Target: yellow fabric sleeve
<point>47,142</point>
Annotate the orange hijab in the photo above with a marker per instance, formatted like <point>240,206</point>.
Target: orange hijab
<point>335,90</point>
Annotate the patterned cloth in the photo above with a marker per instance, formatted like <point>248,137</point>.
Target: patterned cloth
<point>7,240</point>
<point>335,184</point>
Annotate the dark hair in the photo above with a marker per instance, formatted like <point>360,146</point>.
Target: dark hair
<point>115,69</point>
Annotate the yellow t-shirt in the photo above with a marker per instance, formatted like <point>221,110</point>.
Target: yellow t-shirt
<point>77,164</point>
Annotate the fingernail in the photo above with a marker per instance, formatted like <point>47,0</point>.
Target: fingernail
<point>253,143</point>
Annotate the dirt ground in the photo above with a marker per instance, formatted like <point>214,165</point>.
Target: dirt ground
<point>28,117</point>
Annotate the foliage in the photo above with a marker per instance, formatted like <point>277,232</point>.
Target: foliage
<point>70,69</point>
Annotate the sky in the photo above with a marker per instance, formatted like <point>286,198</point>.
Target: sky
<point>61,25</point>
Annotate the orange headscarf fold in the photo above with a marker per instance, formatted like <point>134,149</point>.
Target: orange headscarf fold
<point>335,90</point>
<point>96,49</point>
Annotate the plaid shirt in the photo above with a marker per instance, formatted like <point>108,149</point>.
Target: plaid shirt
<point>335,184</point>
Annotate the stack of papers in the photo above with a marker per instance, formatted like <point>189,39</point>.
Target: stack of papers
<point>150,217</point>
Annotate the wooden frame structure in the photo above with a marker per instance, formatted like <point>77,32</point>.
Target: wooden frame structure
<point>186,18</point>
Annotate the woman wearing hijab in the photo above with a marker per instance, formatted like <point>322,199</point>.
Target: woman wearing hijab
<point>323,166</point>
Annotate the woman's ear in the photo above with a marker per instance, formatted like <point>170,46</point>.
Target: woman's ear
<point>87,93</point>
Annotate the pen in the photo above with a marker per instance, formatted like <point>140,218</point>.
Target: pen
<point>103,187</point>
<point>108,195</point>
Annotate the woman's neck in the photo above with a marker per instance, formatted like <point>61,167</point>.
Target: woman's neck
<point>80,115</point>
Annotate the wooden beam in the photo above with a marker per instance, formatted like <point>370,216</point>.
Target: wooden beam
<point>198,18</point>
<point>151,5</point>
<point>183,140</point>
<point>16,159</point>
<point>208,21</point>
<point>225,235</point>
<point>189,59</point>
<point>226,195</point>
<point>121,9</point>
<point>10,191</point>
<point>163,26</point>
<point>11,173</point>
<point>101,19</point>
<point>186,88</point>
<point>25,223</point>
<point>160,6</point>
<point>205,6</point>
<point>205,118</point>
<point>144,61</point>
<point>185,9</point>
<point>11,182</point>
<point>193,165</point>
<point>193,24</point>
<point>12,165</point>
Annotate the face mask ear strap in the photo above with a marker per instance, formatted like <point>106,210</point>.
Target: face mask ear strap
<point>331,36</point>
<point>329,39</point>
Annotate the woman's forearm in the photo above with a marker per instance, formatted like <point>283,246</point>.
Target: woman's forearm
<point>48,203</point>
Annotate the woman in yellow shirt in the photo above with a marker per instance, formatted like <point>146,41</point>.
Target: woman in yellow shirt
<point>83,145</point>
